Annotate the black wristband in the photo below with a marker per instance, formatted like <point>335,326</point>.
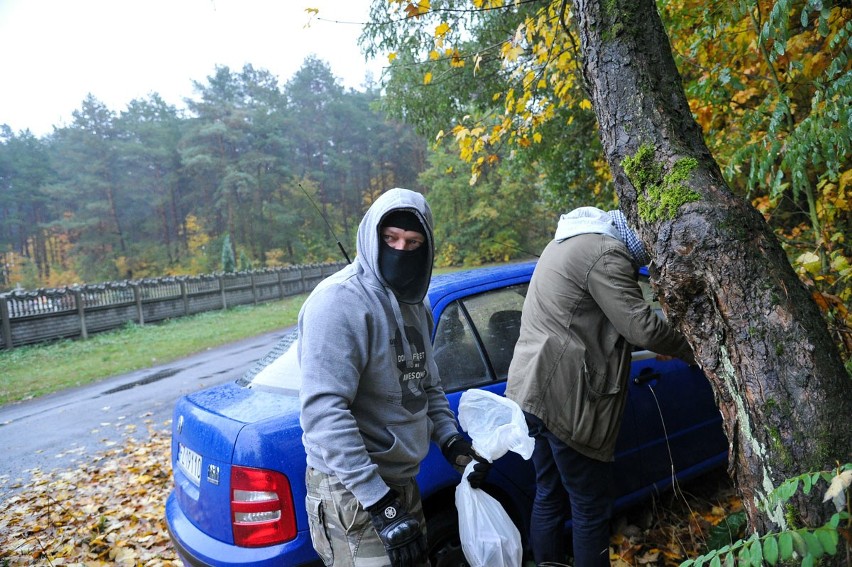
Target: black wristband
<point>451,441</point>
<point>383,502</point>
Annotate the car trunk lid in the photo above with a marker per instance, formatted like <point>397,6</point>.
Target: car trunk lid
<point>206,429</point>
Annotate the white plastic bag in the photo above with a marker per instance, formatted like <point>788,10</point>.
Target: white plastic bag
<point>496,425</point>
<point>488,536</point>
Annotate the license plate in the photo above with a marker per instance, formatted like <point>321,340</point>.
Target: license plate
<point>190,463</point>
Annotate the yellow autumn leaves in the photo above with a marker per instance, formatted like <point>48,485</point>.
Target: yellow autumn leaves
<point>109,511</point>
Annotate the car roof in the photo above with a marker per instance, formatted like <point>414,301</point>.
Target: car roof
<point>486,278</point>
<point>449,286</point>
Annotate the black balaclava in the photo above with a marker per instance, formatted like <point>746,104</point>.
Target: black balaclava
<point>404,270</point>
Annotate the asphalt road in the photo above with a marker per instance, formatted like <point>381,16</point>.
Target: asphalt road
<point>63,429</point>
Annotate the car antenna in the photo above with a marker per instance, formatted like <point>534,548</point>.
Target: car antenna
<point>331,230</point>
<point>518,248</point>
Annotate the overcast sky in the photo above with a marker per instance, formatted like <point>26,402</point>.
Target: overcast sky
<point>55,52</point>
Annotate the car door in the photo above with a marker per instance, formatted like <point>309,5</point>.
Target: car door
<point>474,344</point>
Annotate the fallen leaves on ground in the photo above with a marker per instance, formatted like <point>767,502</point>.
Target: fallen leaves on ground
<point>110,511</point>
<point>679,524</point>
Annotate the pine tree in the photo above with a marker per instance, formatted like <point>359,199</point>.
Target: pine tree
<point>229,262</point>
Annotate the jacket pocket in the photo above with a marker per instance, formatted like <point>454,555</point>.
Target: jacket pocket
<point>594,407</point>
<point>599,385</point>
<point>319,535</point>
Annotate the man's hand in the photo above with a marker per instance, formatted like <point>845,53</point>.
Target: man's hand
<point>399,531</point>
<point>459,452</point>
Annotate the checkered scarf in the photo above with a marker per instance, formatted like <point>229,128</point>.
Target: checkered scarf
<point>637,250</point>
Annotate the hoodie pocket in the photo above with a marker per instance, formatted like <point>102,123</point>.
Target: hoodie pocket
<point>410,444</point>
<point>593,406</point>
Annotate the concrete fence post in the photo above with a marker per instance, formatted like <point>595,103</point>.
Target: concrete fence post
<point>81,312</point>
<point>184,297</point>
<point>6,322</point>
<point>222,289</point>
<point>137,296</point>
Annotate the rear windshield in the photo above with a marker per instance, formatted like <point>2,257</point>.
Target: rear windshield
<point>278,369</point>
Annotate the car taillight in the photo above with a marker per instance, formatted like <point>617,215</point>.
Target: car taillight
<point>261,507</point>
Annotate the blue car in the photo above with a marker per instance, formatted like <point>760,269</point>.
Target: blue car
<point>239,464</point>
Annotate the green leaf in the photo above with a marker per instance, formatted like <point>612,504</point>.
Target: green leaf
<point>715,562</point>
<point>808,561</point>
<point>814,546</point>
<point>799,544</point>
<point>785,546</point>
<point>726,532</point>
<point>828,538</point>
<point>770,549</point>
<point>790,488</point>
<point>743,557</point>
<point>823,26</point>
<point>756,553</point>
<point>817,476</point>
<point>834,521</point>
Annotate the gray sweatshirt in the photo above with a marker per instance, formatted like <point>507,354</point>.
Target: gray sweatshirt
<point>371,398</point>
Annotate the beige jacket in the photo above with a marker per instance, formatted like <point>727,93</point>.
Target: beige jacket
<point>583,311</point>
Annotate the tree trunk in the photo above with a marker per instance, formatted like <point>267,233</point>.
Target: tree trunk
<point>721,274</point>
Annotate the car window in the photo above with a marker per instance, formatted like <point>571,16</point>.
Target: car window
<point>456,352</point>
<point>496,315</point>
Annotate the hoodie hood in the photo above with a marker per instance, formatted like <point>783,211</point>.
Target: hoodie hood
<point>369,238</point>
<point>591,220</point>
<point>368,246</point>
<point>585,220</point>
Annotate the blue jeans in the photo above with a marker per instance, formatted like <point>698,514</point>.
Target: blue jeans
<point>562,475</point>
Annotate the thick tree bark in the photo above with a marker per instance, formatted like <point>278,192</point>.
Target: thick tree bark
<point>721,274</point>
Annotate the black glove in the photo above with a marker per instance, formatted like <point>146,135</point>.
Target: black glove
<point>459,452</point>
<point>399,531</point>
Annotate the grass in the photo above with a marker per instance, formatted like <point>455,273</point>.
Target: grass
<point>31,371</point>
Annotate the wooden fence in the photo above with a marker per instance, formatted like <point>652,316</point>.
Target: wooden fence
<point>28,317</point>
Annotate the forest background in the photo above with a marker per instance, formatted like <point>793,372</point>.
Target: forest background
<point>499,149</point>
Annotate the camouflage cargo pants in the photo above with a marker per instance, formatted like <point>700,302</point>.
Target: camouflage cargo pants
<point>341,530</point>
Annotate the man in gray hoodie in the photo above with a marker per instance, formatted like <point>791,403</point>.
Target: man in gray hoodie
<point>371,397</point>
<point>583,313</point>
